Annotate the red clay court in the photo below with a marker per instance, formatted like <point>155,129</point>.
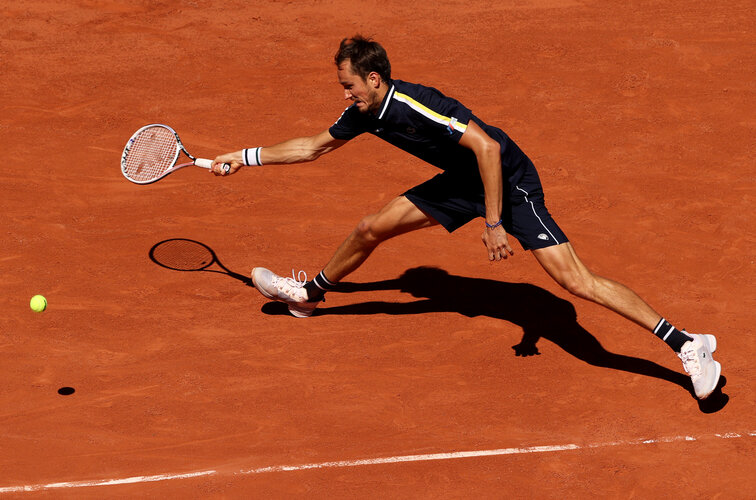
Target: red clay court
<point>435,373</point>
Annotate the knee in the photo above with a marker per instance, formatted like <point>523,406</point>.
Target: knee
<point>581,285</point>
<point>367,233</point>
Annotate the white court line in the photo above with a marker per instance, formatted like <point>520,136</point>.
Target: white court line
<point>104,482</point>
<point>368,461</point>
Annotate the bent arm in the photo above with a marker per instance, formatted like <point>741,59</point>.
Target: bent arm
<point>297,150</point>
<point>489,163</point>
<point>488,154</point>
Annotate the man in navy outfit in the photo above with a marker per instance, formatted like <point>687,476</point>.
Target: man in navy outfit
<point>484,174</point>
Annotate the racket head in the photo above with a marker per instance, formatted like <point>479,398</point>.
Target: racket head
<point>150,153</point>
<point>181,254</point>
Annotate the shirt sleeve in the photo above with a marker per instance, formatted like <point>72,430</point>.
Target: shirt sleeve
<point>349,125</point>
<point>441,116</point>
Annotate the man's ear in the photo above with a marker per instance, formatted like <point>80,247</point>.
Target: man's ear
<point>374,79</point>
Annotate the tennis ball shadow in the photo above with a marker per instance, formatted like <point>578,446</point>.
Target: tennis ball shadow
<point>66,391</point>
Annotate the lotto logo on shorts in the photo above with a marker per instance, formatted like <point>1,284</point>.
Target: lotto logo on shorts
<point>543,236</point>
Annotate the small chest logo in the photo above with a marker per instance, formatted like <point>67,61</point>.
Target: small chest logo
<point>411,130</point>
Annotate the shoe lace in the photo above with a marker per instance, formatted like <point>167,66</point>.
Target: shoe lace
<point>691,363</point>
<point>287,284</point>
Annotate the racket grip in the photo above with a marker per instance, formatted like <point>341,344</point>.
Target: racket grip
<point>202,162</point>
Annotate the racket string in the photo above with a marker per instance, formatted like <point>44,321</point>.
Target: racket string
<point>150,154</point>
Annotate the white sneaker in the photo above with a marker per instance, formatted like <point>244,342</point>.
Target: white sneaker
<point>699,363</point>
<point>289,290</point>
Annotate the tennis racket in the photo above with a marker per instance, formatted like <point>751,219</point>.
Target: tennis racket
<point>181,254</point>
<point>152,153</point>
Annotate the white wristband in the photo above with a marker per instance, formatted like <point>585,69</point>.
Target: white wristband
<point>251,157</point>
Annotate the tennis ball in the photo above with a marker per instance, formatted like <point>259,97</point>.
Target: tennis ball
<point>38,303</point>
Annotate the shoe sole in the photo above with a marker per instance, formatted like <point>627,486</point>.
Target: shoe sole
<point>711,342</point>
<point>300,313</point>
<point>718,368</point>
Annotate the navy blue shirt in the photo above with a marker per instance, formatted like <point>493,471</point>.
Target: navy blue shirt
<point>425,123</point>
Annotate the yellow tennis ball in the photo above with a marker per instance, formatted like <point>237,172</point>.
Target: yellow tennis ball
<point>38,303</point>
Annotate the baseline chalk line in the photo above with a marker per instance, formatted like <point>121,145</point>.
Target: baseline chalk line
<point>369,461</point>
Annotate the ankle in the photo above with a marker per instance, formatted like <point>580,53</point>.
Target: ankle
<point>673,337</point>
<point>317,288</point>
<point>314,294</point>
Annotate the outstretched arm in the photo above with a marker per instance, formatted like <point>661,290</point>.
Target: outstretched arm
<point>489,162</point>
<point>300,149</point>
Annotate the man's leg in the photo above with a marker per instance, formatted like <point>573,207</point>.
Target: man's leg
<point>399,216</point>
<point>563,264</point>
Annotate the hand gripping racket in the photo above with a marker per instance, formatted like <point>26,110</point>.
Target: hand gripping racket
<point>152,153</point>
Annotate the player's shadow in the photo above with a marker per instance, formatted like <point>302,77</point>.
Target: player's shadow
<point>540,314</point>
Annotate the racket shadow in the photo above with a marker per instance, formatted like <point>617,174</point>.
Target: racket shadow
<point>182,254</point>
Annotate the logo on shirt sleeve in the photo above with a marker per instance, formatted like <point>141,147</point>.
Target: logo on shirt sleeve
<point>450,126</point>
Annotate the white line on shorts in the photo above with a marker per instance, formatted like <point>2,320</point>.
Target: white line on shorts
<point>369,461</point>
<point>532,207</point>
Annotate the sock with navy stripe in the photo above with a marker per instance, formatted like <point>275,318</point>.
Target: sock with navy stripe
<point>317,288</point>
<point>671,335</point>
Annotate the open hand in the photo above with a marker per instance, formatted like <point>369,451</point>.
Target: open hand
<point>497,243</point>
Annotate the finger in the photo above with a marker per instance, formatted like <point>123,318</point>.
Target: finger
<point>218,169</point>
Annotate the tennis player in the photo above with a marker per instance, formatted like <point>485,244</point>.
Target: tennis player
<point>484,174</point>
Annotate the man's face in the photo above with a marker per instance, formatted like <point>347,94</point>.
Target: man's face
<point>364,93</point>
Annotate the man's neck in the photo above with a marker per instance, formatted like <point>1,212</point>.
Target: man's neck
<point>381,92</point>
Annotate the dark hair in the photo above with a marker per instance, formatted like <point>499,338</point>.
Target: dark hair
<point>365,56</point>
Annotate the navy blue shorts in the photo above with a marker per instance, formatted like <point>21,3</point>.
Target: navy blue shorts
<point>454,198</point>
